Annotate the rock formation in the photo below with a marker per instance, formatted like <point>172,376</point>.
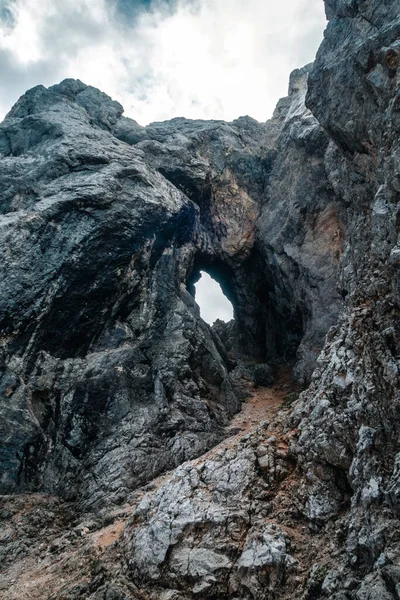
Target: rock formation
<point>109,376</point>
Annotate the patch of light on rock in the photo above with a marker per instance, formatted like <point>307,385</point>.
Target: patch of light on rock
<point>212,301</point>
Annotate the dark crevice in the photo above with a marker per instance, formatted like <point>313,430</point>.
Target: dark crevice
<point>268,322</point>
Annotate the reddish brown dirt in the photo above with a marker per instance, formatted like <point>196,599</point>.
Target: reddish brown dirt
<point>262,405</point>
<point>105,537</point>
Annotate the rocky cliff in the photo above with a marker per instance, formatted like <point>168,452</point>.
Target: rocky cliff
<point>109,376</point>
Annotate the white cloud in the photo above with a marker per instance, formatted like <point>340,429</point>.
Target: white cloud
<point>204,59</point>
<point>211,300</point>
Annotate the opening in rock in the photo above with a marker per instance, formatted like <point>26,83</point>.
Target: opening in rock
<point>269,314</point>
<point>212,301</point>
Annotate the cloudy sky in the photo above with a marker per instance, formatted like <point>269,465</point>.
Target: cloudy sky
<point>211,300</point>
<point>161,58</point>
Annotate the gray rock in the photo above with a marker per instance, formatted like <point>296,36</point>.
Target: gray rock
<point>264,561</point>
<point>108,375</point>
<point>204,531</point>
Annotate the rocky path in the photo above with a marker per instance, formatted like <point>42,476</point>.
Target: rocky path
<point>261,406</point>
<point>48,550</point>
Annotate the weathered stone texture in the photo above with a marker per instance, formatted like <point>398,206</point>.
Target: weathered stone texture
<point>108,376</point>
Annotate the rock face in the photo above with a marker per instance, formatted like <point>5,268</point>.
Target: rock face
<point>109,376</point>
<point>348,419</point>
<point>206,530</point>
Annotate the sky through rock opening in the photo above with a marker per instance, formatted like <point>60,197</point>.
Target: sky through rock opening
<point>212,301</point>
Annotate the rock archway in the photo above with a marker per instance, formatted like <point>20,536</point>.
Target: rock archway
<point>108,372</point>
<point>268,324</point>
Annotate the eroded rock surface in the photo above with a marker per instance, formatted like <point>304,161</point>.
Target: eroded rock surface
<point>207,531</point>
<point>109,376</point>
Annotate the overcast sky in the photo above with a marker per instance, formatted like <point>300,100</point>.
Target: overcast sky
<point>211,300</point>
<point>161,58</point>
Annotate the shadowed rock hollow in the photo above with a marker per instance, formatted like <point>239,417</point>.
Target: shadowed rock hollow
<point>110,377</point>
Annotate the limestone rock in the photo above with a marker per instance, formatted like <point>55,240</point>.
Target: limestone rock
<point>109,377</point>
<point>108,374</point>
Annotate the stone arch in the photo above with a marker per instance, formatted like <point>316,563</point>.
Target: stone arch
<point>269,321</point>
